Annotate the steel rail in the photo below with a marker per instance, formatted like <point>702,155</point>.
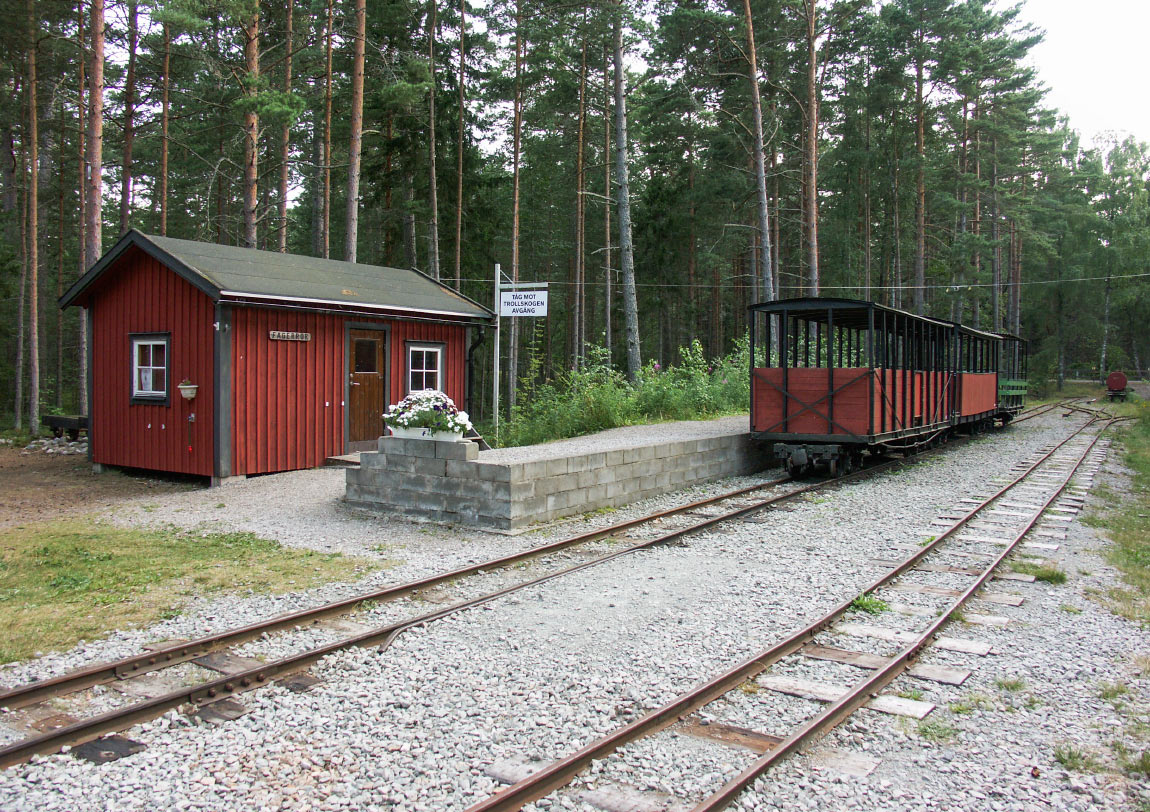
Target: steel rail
<point>1038,411</point>
<point>167,656</point>
<point>869,686</point>
<point>560,773</point>
<point>222,687</point>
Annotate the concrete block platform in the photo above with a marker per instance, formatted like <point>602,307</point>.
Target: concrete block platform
<point>512,488</point>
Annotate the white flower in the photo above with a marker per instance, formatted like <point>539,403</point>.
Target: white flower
<point>430,409</point>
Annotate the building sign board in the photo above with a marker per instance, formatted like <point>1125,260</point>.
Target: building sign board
<point>280,335</point>
<point>523,303</point>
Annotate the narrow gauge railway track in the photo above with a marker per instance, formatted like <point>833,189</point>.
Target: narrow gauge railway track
<point>1038,411</point>
<point>254,677</point>
<point>1037,488</point>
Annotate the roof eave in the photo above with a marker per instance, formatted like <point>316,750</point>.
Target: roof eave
<point>238,297</point>
<point>141,241</point>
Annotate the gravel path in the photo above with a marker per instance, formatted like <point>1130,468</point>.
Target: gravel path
<point>536,674</point>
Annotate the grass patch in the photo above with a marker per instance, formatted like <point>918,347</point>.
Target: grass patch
<point>61,582</point>
<point>1075,759</point>
<point>911,693</point>
<point>1010,684</point>
<point>1070,610</point>
<point>1137,763</point>
<point>1128,523</point>
<point>870,604</point>
<point>1041,572</point>
<point>936,730</point>
<point>970,703</point>
<point>1112,690</point>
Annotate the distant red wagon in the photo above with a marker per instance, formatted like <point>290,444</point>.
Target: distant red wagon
<point>224,362</point>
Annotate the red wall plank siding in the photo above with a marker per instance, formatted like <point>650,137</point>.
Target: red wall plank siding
<point>808,386</point>
<point>454,357</point>
<point>140,295</point>
<point>287,396</point>
<point>979,392</point>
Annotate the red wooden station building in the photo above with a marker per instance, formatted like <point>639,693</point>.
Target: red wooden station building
<point>220,361</point>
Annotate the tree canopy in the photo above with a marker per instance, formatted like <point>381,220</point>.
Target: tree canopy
<point>903,152</point>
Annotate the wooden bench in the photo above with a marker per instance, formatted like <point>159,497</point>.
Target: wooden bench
<point>73,424</point>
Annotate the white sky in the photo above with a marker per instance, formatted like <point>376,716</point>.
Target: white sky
<point>1095,63</point>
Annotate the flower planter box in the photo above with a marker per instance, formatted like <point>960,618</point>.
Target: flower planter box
<point>425,434</point>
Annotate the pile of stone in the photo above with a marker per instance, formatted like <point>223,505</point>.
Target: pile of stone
<point>57,445</point>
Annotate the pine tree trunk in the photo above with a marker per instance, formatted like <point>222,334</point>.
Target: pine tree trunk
<point>1105,322</point>
<point>325,226</point>
<point>867,215</point>
<point>517,125</point>
<point>314,183</point>
<point>164,124</point>
<point>976,225</point>
<point>21,296</point>
<point>895,297</point>
<point>765,268</point>
<point>21,334</point>
<point>129,116</point>
<point>995,235</point>
<point>387,244</point>
<point>960,194</point>
<point>285,139</point>
<point>33,226</point>
<point>607,344</point>
<point>920,182</point>
<point>459,144</point>
<point>410,255</point>
<point>433,222</point>
<point>693,323</point>
<point>251,132</point>
<point>626,249</point>
<point>351,239</point>
<point>61,230</point>
<point>93,189</point>
<point>82,166</point>
<point>9,196</point>
<point>580,214</point>
<point>1016,283</point>
<point>812,206</point>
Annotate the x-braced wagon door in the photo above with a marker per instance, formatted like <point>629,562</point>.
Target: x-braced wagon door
<point>367,386</point>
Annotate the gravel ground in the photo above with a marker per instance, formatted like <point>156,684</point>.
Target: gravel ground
<point>537,674</point>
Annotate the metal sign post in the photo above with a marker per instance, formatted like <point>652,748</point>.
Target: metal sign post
<point>514,300</point>
<point>495,373</point>
<point>523,299</point>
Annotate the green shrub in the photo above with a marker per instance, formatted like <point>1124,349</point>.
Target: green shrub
<point>597,397</point>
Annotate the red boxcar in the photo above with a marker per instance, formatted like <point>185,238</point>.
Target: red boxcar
<point>284,360</point>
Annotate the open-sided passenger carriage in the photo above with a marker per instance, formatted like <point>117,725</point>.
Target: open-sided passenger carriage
<point>834,378</point>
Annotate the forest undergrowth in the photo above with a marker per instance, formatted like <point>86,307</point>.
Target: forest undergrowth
<point>597,396</point>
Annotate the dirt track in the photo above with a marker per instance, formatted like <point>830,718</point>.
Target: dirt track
<point>35,486</point>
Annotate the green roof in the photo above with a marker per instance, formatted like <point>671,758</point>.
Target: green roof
<point>228,272</point>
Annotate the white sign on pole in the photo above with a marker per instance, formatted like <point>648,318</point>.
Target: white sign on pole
<point>523,303</point>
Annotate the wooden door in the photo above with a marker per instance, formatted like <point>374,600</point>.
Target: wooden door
<point>367,388</point>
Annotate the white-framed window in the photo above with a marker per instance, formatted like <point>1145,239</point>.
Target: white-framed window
<point>150,367</point>
<point>424,367</point>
